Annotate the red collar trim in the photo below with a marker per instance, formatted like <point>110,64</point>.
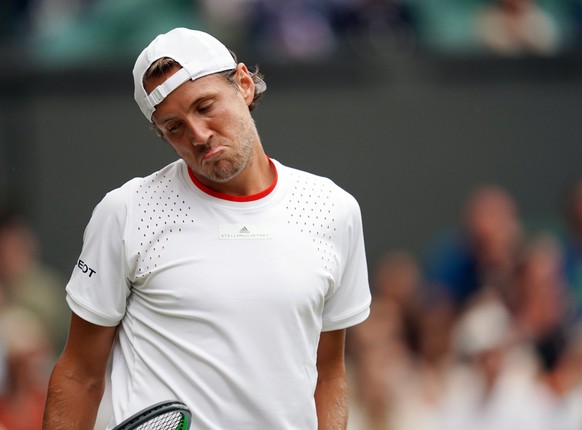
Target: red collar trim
<point>233,198</point>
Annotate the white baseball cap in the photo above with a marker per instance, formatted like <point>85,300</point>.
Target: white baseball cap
<point>197,52</point>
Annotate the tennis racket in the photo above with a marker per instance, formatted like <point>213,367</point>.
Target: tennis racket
<point>169,415</point>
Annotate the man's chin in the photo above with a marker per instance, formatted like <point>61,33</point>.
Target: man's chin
<point>219,175</point>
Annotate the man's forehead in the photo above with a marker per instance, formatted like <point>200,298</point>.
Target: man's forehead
<point>189,94</point>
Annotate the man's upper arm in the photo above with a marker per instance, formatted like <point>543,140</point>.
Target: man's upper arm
<point>88,347</point>
<point>78,378</point>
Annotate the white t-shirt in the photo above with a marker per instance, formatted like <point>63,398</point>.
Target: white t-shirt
<point>220,302</point>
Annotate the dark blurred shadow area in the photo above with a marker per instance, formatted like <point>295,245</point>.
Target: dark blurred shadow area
<point>455,123</point>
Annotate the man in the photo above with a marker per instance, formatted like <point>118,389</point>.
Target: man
<point>225,280</point>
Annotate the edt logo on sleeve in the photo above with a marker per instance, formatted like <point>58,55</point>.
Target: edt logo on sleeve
<point>85,268</point>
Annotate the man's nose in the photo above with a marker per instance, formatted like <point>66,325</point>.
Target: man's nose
<point>198,131</point>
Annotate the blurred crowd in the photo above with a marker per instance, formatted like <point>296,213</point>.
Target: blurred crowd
<point>484,332</point>
<point>34,320</point>
<point>72,31</point>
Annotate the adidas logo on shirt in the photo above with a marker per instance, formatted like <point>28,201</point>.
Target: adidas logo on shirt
<point>244,232</point>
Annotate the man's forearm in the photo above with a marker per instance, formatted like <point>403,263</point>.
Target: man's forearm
<point>72,402</point>
<point>331,400</point>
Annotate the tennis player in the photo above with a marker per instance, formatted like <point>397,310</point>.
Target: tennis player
<point>225,280</point>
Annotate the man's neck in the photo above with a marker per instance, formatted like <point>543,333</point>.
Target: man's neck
<point>257,177</point>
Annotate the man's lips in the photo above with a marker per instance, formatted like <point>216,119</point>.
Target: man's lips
<point>212,152</point>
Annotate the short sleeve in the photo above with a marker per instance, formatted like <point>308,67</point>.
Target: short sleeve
<point>349,304</point>
<point>98,288</point>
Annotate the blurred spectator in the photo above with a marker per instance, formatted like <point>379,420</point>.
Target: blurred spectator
<point>29,358</point>
<point>229,18</point>
<point>562,378</point>
<point>495,386</point>
<point>417,400</point>
<point>482,253</point>
<point>542,310</point>
<point>313,30</point>
<point>27,281</point>
<point>376,357</point>
<point>380,348</point>
<point>398,281</point>
<point>375,28</point>
<point>517,27</point>
<point>296,30</point>
<point>400,356</point>
<point>539,294</point>
<point>572,246</point>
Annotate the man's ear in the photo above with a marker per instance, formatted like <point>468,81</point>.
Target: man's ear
<point>245,82</point>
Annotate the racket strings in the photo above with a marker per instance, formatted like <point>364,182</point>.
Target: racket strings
<point>170,420</point>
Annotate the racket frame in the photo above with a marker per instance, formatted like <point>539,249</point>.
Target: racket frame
<point>154,411</point>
